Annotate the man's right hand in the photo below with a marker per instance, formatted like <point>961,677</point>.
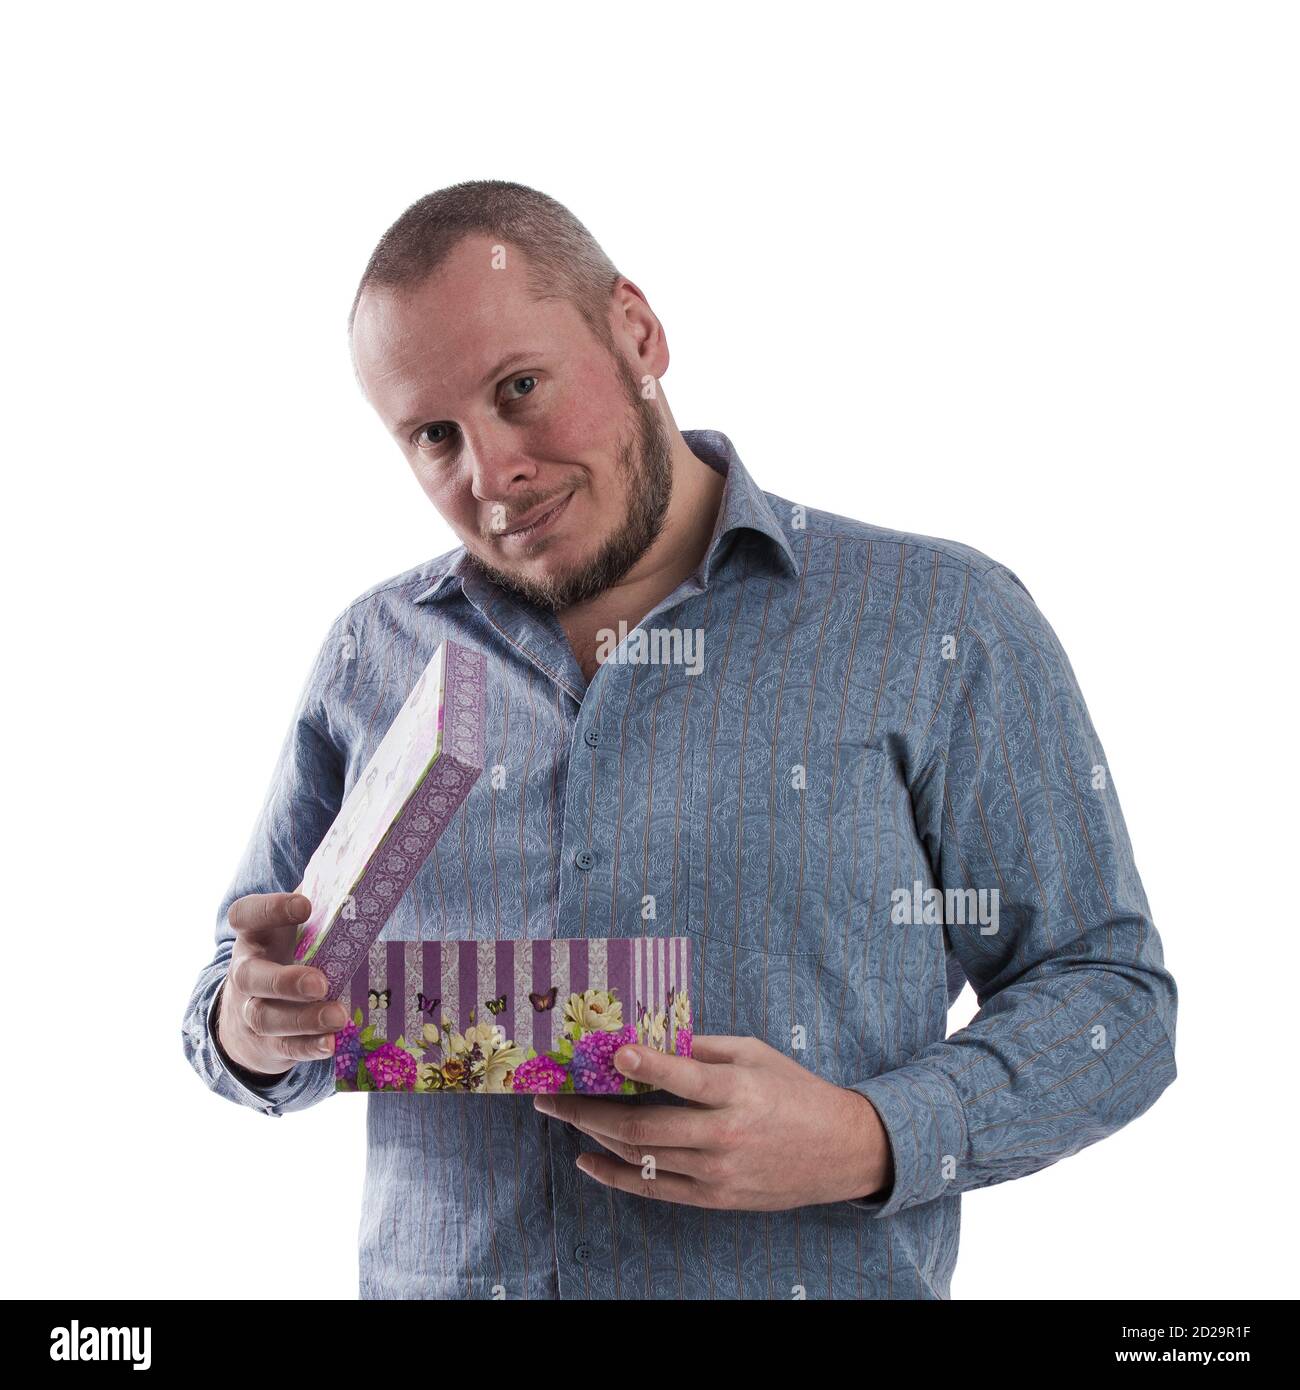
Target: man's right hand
<point>267,1020</point>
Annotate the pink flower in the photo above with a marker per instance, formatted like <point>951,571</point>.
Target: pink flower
<point>593,1069</point>
<point>392,1068</point>
<point>347,1052</point>
<point>538,1075</point>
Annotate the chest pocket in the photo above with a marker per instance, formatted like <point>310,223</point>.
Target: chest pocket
<point>782,854</point>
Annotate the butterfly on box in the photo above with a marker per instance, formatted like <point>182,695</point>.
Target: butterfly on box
<point>380,998</point>
<point>542,1002</point>
<point>424,1004</point>
<point>497,1005</point>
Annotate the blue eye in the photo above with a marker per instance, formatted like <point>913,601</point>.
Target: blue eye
<point>422,439</point>
<point>434,436</point>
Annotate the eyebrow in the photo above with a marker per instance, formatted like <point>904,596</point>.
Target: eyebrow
<point>498,370</point>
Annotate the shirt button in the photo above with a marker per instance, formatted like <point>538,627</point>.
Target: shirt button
<point>582,1253</point>
<point>591,738</point>
<point>584,859</point>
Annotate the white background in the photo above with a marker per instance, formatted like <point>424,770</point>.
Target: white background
<point>1020,275</point>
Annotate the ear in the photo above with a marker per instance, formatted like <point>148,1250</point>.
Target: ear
<point>637,330</point>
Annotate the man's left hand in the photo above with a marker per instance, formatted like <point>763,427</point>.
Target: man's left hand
<point>760,1132</point>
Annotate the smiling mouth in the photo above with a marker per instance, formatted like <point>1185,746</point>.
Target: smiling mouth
<point>535,528</point>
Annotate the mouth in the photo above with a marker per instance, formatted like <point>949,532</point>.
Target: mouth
<point>542,523</point>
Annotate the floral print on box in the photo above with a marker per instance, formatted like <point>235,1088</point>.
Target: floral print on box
<point>513,1017</point>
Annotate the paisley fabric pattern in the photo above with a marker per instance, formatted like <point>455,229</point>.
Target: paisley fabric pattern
<point>877,781</point>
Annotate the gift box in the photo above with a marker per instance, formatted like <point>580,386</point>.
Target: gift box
<point>512,1016</point>
<point>393,815</point>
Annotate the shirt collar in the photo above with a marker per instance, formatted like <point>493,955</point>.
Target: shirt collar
<point>744,507</point>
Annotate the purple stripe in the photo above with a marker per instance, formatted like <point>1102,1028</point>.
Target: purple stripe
<point>395,959</point>
<point>467,982</point>
<point>543,1023</point>
<point>433,977</point>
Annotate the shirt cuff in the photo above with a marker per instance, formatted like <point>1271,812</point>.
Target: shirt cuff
<point>269,1098</point>
<point>926,1124</point>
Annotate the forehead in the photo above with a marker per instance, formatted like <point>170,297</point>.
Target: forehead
<point>431,343</point>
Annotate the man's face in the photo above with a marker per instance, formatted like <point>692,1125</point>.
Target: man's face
<point>511,413</point>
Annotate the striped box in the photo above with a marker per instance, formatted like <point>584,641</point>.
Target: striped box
<point>512,1016</point>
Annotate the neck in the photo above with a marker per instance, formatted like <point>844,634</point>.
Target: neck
<point>677,550</point>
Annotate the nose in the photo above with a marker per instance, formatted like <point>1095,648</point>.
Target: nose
<point>497,464</point>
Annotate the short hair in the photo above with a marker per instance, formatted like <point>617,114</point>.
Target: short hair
<point>564,260</point>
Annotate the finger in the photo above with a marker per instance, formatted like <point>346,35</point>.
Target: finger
<point>269,979</point>
<point>717,1047</point>
<point>634,1124</point>
<point>309,1047</point>
<point>704,1082</point>
<point>690,1163</point>
<point>267,1019</point>
<point>666,1187</point>
<point>262,916</point>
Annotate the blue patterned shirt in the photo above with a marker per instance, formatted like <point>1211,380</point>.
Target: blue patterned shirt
<point>879,782</point>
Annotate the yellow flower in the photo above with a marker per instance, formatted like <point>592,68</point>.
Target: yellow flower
<point>500,1055</point>
<point>593,1011</point>
<point>681,1011</point>
<point>500,1064</point>
<point>430,1075</point>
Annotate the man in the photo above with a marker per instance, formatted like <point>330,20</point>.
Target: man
<point>877,780</point>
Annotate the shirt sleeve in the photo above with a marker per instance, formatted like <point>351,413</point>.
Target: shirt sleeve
<point>305,793</point>
<point>1075,1031</point>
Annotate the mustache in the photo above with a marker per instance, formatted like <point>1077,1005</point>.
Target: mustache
<point>533,505</point>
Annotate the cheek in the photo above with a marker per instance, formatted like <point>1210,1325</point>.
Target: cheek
<point>588,420</point>
<point>450,495</point>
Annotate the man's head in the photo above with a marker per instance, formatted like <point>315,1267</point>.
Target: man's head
<point>518,372</point>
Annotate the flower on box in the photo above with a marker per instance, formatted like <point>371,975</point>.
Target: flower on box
<point>594,1010</point>
<point>483,1059</point>
<point>391,1067</point>
<point>653,1030</point>
<point>593,1071</point>
<point>538,1075</point>
<point>498,1054</point>
<point>347,1051</point>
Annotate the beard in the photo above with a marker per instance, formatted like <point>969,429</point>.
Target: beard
<point>645,467</point>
